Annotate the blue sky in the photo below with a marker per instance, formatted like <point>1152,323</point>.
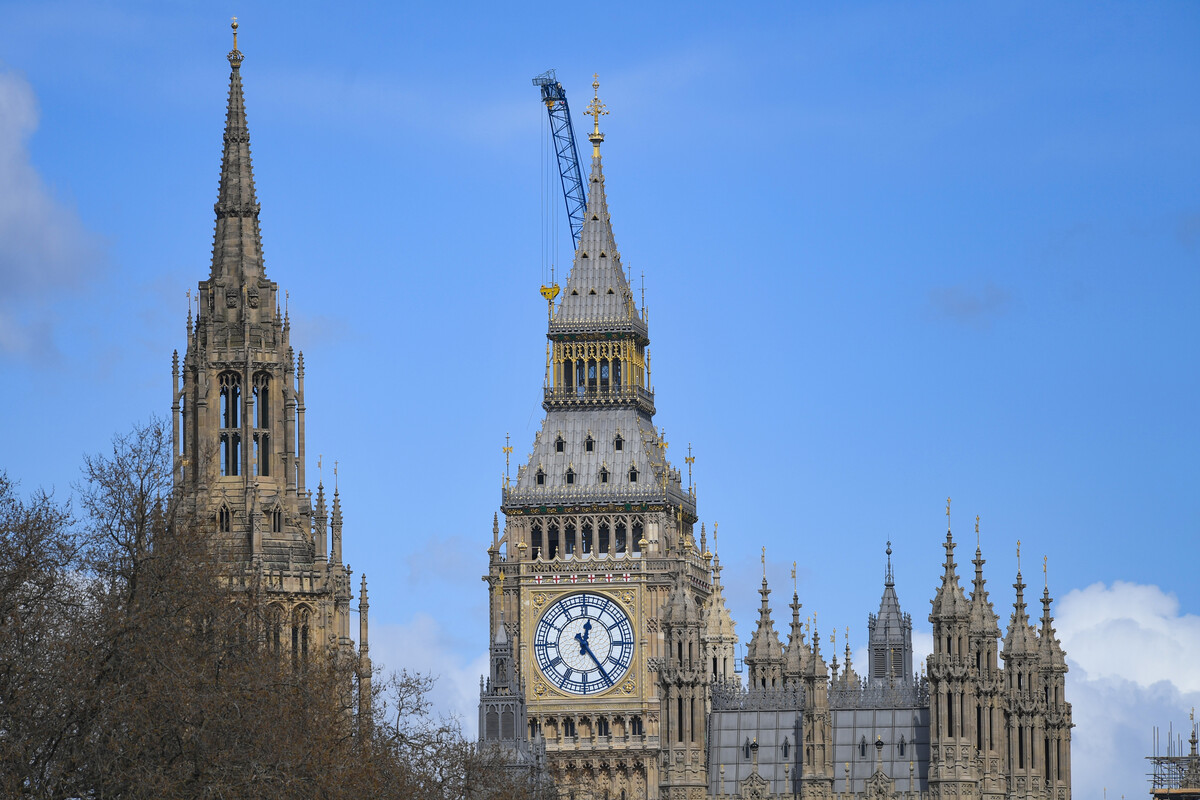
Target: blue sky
<point>892,253</point>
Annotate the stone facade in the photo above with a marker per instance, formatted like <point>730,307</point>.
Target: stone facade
<point>238,418</point>
<point>597,520</point>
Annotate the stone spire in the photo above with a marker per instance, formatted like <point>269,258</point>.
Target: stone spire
<point>597,291</point>
<point>335,526</point>
<point>764,654</point>
<point>889,634</point>
<point>364,662</point>
<point>237,243</point>
<point>1021,638</point>
<point>797,654</point>
<point>320,525</point>
<point>720,635</point>
<point>1049,649</point>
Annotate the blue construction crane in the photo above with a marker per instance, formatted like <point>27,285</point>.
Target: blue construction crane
<point>564,146</point>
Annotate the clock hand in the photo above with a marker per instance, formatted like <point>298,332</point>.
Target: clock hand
<point>589,652</point>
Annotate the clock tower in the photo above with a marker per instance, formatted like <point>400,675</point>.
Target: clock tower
<point>597,534</point>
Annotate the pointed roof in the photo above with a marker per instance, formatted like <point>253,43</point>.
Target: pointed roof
<point>597,296</point>
<point>718,622</point>
<point>950,602</point>
<point>237,243</point>
<point>1049,648</point>
<point>890,618</point>
<point>983,617</point>
<point>1021,638</point>
<point>797,652</point>
<point>680,608</point>
<point>764,647</point>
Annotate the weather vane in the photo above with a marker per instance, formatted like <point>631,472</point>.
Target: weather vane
<point>794,585</point>
<point>1018,556</point>
<point>691,459</point>
<point>335,466</point>
<point>947,513</point>
<point>764,563</point>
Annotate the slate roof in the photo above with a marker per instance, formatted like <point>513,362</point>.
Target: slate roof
<point>597,296</point>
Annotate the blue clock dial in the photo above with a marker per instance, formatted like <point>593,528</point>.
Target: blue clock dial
<point>584,643</point>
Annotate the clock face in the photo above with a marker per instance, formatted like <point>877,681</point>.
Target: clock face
<point>584,643</point>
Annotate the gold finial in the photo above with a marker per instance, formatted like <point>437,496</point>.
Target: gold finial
<point>795,586</point>
<point>833,637</point>
<point>500,577</point>
<point>234,25</point>
<point>1045,575</point>
<point>690,459</point>
<point>764,563</point>
<point>596,109</point>
<point>507,452</point>
<point>1018,556</point>
<point>947,513</point>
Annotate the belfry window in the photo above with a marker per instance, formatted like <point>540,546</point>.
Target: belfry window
<point>535,537</point>
<point>602,726</point>
<point>231,453</point>
<point>635,726</point>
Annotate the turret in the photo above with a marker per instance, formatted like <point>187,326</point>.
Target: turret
<point>1056,721</point>
<point>683,688</point>
<point>986,683</point>
<point>764,653</point>
<point>365,705</point>
<point>720,634</point>
<point>889,635</point>
<point>816,770</point>
<point>1023,698</point>
<point>797,653</point>
<point>953,767</point>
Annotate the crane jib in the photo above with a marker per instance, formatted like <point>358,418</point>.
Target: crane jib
<point>555,100</point>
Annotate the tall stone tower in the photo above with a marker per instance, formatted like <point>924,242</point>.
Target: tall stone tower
<point>953,762</point>
<point>683,686</point>
<point>238,423</point>
<point>988,684</point>
<point>597,526</point>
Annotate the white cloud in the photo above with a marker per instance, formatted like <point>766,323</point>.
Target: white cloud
<point>44,249</point>
<point>423,645</point>
<point>1133,659</point>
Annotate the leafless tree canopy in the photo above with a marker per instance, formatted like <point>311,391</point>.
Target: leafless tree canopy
<point>129,670</point>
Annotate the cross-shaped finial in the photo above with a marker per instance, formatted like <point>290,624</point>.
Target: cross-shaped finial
<point>1018,555</point>
<point>764,562</point>
<point>507,452</point>
<point>947,513</point>
<point>691,459</point>
<point>794,585</point>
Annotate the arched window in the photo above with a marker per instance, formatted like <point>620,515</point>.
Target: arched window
<point>300,633</point>
<point>277,521</point>
<point>570,476</point>
<point>552,541</point>
<point>262,404</point>
<point>231,399</point>
<point>635,726</point>
<point>902,744</point>
<point>231,453</point>
<point>568,727</point>
<point>224,520</point>
<point>633,474</point>
<point>535,541</point>
<point>602,727</point>
<point>862,747</point>
<point>540,477</point>
<point>275,629</point>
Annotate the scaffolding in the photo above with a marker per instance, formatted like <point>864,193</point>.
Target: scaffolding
<point>1175,775</point>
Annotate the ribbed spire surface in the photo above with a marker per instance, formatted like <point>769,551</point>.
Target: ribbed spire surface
<point>237,244</point>
<point>597,292</point>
